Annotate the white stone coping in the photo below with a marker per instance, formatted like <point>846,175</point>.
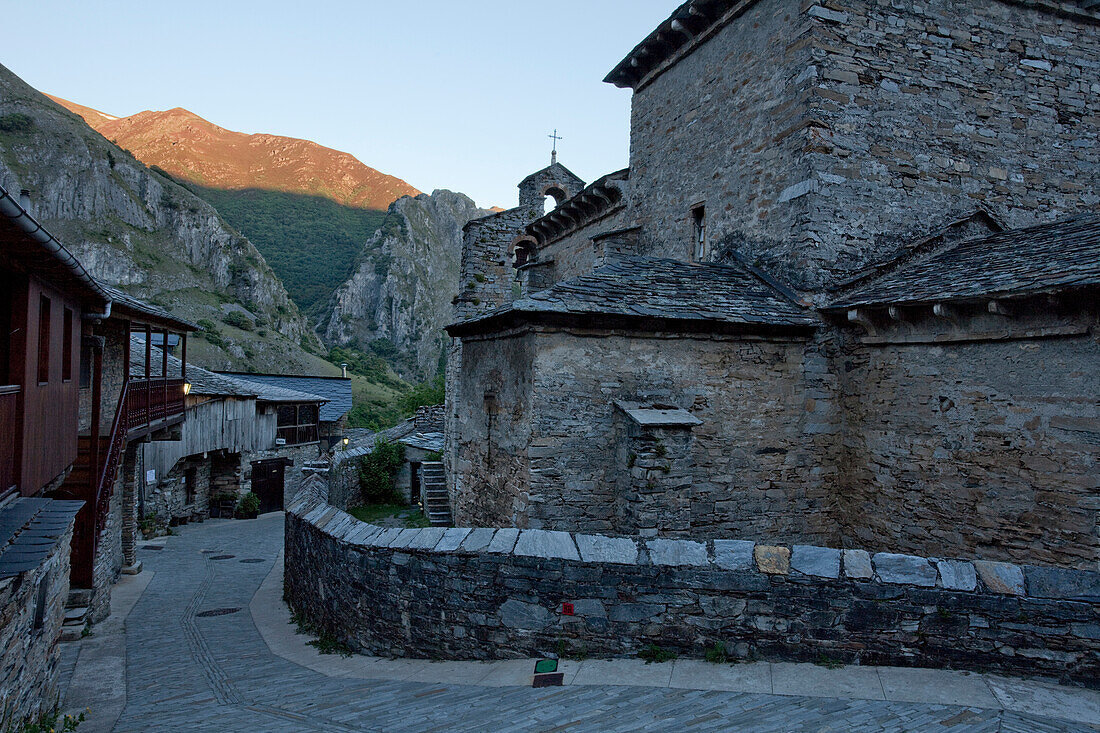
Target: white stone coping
<point>808,561</point>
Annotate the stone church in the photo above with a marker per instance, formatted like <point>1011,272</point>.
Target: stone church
<point>845,293</point>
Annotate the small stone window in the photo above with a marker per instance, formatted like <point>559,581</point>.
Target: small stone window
<point>700,248</point>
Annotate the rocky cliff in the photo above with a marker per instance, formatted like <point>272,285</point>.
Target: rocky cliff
<point>138,229</point>
<point>399,298</point>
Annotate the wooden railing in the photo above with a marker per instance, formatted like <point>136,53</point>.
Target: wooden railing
<point>9,414</point>
<point>151,400</point>
<point>142,403</point>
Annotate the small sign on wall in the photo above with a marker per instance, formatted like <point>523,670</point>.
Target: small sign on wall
<point>151,476</point>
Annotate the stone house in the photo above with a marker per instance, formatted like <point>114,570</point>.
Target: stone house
<point>237,430</point>
<point>332,420</point>
<point>844,294</point>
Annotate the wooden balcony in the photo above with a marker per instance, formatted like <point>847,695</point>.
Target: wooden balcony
<point>152,404</point>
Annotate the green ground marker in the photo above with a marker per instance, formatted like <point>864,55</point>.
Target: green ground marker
<point>543,666</point>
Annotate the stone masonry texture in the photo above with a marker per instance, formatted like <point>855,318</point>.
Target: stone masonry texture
<point>822,138</point>
<point>29,652</point>
<point>410,599</point>
<point>859,124</point>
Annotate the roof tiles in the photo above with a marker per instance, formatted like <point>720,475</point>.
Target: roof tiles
<point>663,288</point>
<point>1047,257</point>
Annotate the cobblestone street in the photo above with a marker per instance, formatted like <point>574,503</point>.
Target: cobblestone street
<point>188,670</point>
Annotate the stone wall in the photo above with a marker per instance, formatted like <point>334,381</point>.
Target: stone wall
<point>487,278</point>
<point>573,254</point>
<point>555,458</point>
<point>491,428</point>
<point>484,593</point>
<point>965,444</point>
<point>725,127</point>
<point>29,653</point>
<point>822,136</point>
<point>167,497</point>
<point>117,534</point>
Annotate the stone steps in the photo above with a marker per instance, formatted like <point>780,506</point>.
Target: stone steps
<point>76,620</point>
<point>437,501</point>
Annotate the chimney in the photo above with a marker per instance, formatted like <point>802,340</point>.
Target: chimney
<point>344,370</point>
<point>25,200</point>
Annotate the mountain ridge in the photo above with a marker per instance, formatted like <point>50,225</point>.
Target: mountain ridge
<point>199,151</point>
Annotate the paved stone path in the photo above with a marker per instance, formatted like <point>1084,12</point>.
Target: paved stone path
<point>188,672</point>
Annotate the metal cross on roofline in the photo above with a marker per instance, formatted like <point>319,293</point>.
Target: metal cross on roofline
<point>554,153</point>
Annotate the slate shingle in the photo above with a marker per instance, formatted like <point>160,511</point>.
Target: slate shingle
<point>336,390</point>
<point>1057,256</point>
<point>661,288</point>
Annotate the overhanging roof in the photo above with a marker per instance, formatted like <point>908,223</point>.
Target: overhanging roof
<point>1058,256</point>
<point>651,293</point>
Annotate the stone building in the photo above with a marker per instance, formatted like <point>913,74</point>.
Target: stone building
<point>844,294</point>
<point>236,429</point>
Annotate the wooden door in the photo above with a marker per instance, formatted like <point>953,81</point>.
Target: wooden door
<point>414,483</point>
<point>267,483</point>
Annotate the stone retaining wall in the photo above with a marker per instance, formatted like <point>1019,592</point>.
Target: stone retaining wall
<point>32,609</point>
<point>485,593</point>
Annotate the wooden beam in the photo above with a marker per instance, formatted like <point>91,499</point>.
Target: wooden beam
<point>862,318</point>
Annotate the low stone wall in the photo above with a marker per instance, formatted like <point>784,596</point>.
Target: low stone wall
<point>485,593</point>
<point>32,609</point>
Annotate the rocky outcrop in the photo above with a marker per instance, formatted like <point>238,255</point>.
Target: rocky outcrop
<point>136,228</point>
<point>402,288</point>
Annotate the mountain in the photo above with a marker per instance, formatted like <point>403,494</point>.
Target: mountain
<point>306,207</point>
<point>398,299</point>
<point>139,230</point>
<point>191,148</point>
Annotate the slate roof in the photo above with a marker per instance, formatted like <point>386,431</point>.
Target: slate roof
<point>1048,257</point>
<point>335,390</point>
<point>29,529</point>
<point>648,288</point>
<point>424,441</point>
<point>202,382</point>
<point>124,302</point>
<point>272,392</point>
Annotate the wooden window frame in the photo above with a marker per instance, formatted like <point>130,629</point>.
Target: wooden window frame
<point>293,433</point>
<point>45,315</point>
<point>699,248</point>
<point>67,347</point>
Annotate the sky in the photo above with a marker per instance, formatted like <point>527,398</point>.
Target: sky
<point>442,94</point>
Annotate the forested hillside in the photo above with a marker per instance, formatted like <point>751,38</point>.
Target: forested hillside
<point>312,242</point>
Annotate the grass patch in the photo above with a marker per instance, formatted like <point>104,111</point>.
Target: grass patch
<point>325,643</point>
<point>654,653</point>
<point>717,654</point>
<point>53,722</point>
<point>824,660</point>
<point>409,516</point>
